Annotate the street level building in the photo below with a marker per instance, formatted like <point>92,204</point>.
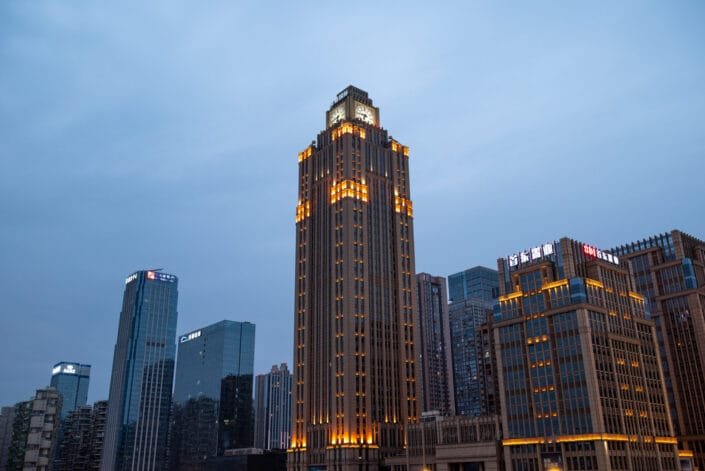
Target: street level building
<point>435,345</point>
<point>71,380</point>
<point>273,409</point>
<point>356,379</point>
<point>581,381</point>
<point>137,426</point>
<point>669,269</point>
<point>213,385</point>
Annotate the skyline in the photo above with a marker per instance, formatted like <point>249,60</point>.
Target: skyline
<point>590,96</point>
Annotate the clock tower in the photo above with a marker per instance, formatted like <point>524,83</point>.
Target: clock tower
<point>355,325</point>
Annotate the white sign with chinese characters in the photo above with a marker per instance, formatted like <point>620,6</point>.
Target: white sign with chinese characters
<point>530,255</point>
<point>191,336</point>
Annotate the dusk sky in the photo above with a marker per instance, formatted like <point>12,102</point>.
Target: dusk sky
<point>138,136</point>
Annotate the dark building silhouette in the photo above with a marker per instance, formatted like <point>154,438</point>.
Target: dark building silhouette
<point>20,430</point>
<point>236,419</point>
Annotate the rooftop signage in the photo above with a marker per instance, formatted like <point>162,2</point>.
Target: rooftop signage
<point>158,276</point>
<point>593,252</point>
<point>191,336</point>
<point>64,369</point>
<point>530,255</point>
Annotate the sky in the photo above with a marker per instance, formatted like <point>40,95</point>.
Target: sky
<point>165,135</point>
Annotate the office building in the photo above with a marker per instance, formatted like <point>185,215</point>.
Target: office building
<point>71,380</point>
<point>356,383</point>
<point>669,269</point>
<point>434,345</point>
<point>143,369</point>
<point>474,283</point>
<point>273,409</point>
<point>581,381</point>
<point>44,425</point>
<point>214,376</point>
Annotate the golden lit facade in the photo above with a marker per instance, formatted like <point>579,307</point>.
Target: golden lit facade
<point>355,374</point>
<point>578,366</point>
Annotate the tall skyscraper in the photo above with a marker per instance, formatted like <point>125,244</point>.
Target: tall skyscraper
<point>669,270</point>
<point>474,283</point>
<point>273,409</point>
<point>581,381</point>
<point>474,293</point>
<point>434,345</point>
<point>71,380</point>
<point>212,360</point>
<point>355,368</point>
<point>142,377</point>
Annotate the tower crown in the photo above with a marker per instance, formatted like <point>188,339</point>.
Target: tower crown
<point>352,103</point>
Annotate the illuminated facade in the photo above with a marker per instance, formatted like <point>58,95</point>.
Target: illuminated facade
<point>434,345</point>
<point>581,381</point>
<point>669,269</point>
<point>71,380</point>
<point>142,377</point>
<point>355,371</point>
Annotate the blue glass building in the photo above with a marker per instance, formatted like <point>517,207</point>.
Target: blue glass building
<point>474,283</point>
<point>473,293</point>
<point>143,369</point>
<point>214,379</point>
<point>71,380</point>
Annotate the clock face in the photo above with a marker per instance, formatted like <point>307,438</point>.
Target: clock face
<point>336,114</point>
<point>365,113</point>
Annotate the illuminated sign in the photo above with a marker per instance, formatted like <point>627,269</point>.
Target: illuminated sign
<point>132,277</point>
<point>158,276</point>
<point>65,369</point>
<point>191,336</point>
<point>530,255</point>
<point>593,252</point>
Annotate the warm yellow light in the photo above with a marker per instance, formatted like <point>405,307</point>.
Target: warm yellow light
<point>595,283</point>
<point>403,205</point>
<point>348,189</point>
<point>555,284</point>
<point>306,153</point>
<point>507,297</point>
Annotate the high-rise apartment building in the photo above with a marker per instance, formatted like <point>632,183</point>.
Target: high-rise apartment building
<point>44,424</point>
<point>669,269</point>
<point>82,434</point>
<point>142,377</point>
<point>581,381</point>
<point>214,379</point>
<point>434,345</point>
<point>22,413</point>
<point>474,283</point>
<point>355,356</point>
<point>474,292</point>
<point>273,409</point>
<point>71,380</point>
<point>7,418</point>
